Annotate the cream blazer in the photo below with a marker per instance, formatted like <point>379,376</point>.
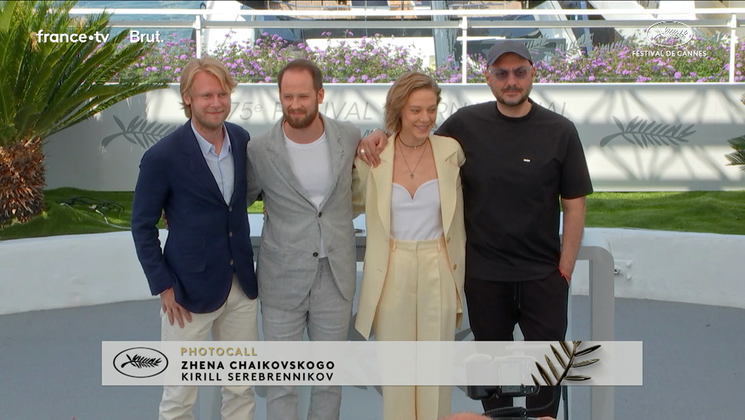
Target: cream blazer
<point>371,191</point>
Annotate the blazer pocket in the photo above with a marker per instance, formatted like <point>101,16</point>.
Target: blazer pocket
<point>270,255</point>
<point>191,245</point>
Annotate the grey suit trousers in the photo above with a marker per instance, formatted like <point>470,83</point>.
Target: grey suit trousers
<point>326,314</point>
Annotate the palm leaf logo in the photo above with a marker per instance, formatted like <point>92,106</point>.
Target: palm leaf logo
<point>141,362</point>
<point>567,361</point>
<point>139,132</point>
<point>639,133</point>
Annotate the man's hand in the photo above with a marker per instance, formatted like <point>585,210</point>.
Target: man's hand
<point>370,147</point>
<point>173,309</point>
<point>566,272</point>
<point>574,225</point>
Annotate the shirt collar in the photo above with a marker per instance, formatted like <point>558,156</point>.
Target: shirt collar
<point>208,147</point>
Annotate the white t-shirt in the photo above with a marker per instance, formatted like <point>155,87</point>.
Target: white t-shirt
<point>312,166</point>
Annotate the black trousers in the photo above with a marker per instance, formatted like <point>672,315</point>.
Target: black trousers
<point>539,307</point>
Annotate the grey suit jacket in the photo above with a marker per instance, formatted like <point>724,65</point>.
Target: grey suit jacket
<point>288,257</point>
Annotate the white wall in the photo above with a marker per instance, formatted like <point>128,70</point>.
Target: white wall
<point>685,267</point>
<point>78,157</point>
<point>69,271</point>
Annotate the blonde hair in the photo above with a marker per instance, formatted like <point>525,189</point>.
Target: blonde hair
<point>209,65</point>
<point>399,93</point>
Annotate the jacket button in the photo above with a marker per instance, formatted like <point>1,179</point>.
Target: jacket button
<point>455,267</point>
<point>320,213</point>
<point>230,208</point>
<point>230,234</point>
<point>315,254</point>
<point>448,240</point>
<point>231,262</point>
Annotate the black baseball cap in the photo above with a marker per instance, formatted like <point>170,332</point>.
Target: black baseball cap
<point>507,46</point>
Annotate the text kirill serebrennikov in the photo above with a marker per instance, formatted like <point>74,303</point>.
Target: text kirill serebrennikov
<point>250,370</point>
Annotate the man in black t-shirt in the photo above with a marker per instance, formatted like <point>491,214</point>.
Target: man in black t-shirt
<point>521,160</point>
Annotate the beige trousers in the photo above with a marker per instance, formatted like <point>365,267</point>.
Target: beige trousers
<point>235,320</point>
<point>418,303</point>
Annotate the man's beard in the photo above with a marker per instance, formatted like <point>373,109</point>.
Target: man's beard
<point>301,123</point>
<point>204,120</point>
<point>517,102</point>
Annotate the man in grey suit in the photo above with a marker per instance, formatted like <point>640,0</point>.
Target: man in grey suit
<point>306,264</point>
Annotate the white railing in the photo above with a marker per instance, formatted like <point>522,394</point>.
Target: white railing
<point>459,20</point>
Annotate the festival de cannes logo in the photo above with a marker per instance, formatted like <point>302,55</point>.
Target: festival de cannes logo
<point>140,362</point>
<point>672,37</point>
<point>669,34</point>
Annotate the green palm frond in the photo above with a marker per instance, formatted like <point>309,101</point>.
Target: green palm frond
<point>738,156</point>
<point>46,87</point>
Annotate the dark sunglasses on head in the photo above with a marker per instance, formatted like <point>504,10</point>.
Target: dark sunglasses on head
<point>502,74</point>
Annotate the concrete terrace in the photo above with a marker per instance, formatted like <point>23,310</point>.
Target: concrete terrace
<point>50,364</point>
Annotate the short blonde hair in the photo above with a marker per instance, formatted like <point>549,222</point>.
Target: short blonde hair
<point>399,93</point>
<point>209,65</point>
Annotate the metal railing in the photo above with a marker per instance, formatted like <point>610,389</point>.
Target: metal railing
<point>459,19</point>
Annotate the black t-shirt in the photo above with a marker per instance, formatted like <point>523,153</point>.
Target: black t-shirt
<point>516,169</point>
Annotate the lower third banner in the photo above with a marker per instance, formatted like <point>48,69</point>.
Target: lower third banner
<point>372,363</point>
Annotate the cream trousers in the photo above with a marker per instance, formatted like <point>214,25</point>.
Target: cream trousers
<point>235,320</point>
<point>418,303</point>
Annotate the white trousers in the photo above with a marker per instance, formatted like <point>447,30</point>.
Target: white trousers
<point>419,302</point>
<point>235,320</point>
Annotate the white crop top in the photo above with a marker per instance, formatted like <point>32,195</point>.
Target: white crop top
<point>418,218</point>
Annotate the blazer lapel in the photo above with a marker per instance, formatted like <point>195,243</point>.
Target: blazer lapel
<point>197,164</point>
<point>336,153</point>
<point>447,173</point>
<point>383,177</point>
<point>239,162</point>
<point>281,158</point>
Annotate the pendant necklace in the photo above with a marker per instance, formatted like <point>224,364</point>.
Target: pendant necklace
<point>424,149</point>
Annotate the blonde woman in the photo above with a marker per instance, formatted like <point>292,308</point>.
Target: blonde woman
<point>412,282</point>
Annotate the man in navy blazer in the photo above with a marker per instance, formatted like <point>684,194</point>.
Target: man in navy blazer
<point>204,274</point>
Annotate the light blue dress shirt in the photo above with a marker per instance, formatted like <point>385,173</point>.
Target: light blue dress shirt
<point>221,166</point>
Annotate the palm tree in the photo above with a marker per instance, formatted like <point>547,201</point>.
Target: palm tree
<point>737,143</point>
<point>46,87</point>
<point>738,156</point>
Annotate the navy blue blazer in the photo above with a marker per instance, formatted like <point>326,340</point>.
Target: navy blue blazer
<point>208,240</point>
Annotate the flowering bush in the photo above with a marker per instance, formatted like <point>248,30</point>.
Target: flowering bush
<point>367,61</point>
<point>452,71</point>
<point>371,60</point>
<point>702,60</point>
<point>256,62</point>
<point>165,63</point>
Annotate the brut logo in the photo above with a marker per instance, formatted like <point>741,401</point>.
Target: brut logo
<point>669,34</point>
<point>140,362</point>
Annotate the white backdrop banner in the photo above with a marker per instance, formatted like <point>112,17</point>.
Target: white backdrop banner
<point>371,363</point>
<point>636,136</point>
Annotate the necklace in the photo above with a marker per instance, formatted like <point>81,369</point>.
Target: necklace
<point>424,149</point>
<point>409,146</point>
